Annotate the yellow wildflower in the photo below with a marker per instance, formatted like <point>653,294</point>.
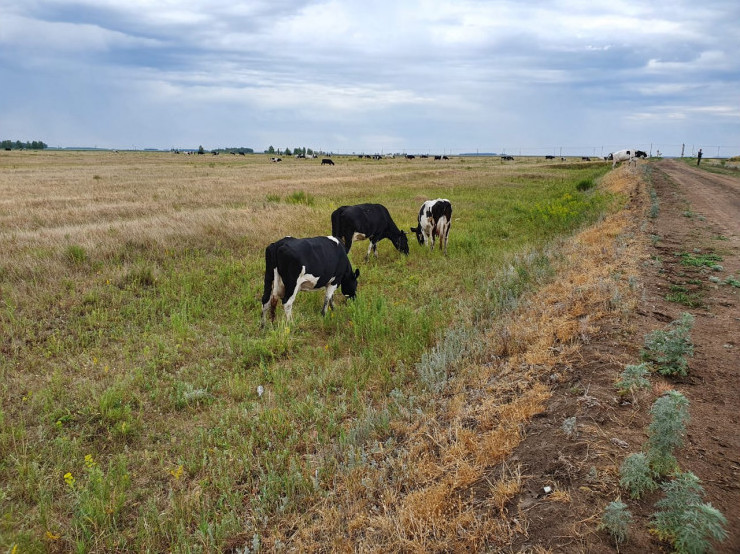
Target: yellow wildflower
<point>69,479</point>
<point>89,461</point>
<point>177,473</point>
<point>51,536</point>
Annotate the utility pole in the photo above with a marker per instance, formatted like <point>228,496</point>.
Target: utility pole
<point>682,148</point>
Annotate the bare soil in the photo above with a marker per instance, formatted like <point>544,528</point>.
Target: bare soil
<point>699,213</point>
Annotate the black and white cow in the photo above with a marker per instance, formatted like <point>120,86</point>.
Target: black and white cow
<point>627,155</point>
<point>327,161</point>
<point>435,218</point>
<point>367,221</point>
<point>293,265</point>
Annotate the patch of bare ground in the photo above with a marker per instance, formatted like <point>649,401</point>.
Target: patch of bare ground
<point>698,214</point>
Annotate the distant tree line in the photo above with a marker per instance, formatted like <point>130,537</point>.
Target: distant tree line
<point>290,152</point>
<point>18,145</point>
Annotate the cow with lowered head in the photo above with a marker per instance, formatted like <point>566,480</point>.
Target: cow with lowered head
<point>293,265</point>
<point>367,221</point>
<point>435,218</point>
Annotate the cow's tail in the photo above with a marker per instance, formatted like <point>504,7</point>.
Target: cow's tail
<point>336,229</point>
<point>270,265</point>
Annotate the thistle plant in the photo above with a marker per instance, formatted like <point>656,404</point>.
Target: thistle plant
<point>684,520</point>
<point>668,348</point>
<point>616,519</point>
<point>665,432</point>
<point>636,476</point>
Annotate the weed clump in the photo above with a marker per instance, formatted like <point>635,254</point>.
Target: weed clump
<point>632,378</point>
<point>636,476</point>
<point>300,197</point>
<point>665,432</point>
<point>684,520</point>
<point>616,519</point>
<point>668,348</point>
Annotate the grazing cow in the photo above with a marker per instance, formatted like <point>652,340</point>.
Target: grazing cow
<point>435,218</point>
<point>293,265</point>
<point>585,159</point>
<point>275,160</point>
<point>509,158</point>
<point>549,157</point>
<point>626,155</point>
<point>367,221</point>
<point>445,158</point>
<point>410,156</point>
<point>437,157</point>
<point>327,161</point>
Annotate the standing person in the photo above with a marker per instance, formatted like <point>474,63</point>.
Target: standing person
<point>698,157</point>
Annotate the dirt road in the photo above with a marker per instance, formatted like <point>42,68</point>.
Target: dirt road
<point>695,213</point>
<point>717,197</point>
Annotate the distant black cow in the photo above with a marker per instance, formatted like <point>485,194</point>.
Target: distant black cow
<point>507,158</point>
<point>585,159</point>
<point>445,158</point>
<point>367,221</point>
<point>410,156</point>
<point>293,265</point>
<point>435,218</point>
<point>549,157</point>
<point>327,161</point>
<point>437,157</point>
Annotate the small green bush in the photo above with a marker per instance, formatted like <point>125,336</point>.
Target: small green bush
<point>616,519</point>
<point>665,432</point>
<point>684,520</point>
<point>668,348</point>
<point>632,378</point>
<point>636,476</point>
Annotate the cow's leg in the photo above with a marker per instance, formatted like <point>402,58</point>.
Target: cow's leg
<point>369,249</point>
<point>446,236</point>
<point>290,292</point>
<point>329,298</point>
<point>274,289</point>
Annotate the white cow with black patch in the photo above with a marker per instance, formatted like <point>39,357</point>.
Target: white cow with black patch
<point>293,265</point>
<point>435,218</point>
<point>627,155</point>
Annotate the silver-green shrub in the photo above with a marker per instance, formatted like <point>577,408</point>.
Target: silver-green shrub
<point>632,378</point>
<point>636,476</point>
<point>684,520</point>
<point>668,348</point>
<point>616,519</point>
<point>665,432</point>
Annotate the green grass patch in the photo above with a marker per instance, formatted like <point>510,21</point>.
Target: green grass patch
<point>700,260</point>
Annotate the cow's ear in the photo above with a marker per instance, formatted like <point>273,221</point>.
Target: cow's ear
<point>357,273</point>
<point>414,229</point>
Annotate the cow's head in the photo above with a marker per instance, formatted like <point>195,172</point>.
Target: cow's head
<point>401,243</point>
<point>349,284</point>
<point>419,234</point>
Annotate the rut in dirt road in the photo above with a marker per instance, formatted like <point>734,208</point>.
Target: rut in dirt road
<point>717,197</point>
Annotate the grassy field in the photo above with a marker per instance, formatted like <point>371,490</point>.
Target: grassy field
<point>131,352</point>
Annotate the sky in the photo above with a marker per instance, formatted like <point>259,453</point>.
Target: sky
<point>420,76</point>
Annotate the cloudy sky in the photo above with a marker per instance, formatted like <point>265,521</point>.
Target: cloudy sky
<point>364,76</point>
